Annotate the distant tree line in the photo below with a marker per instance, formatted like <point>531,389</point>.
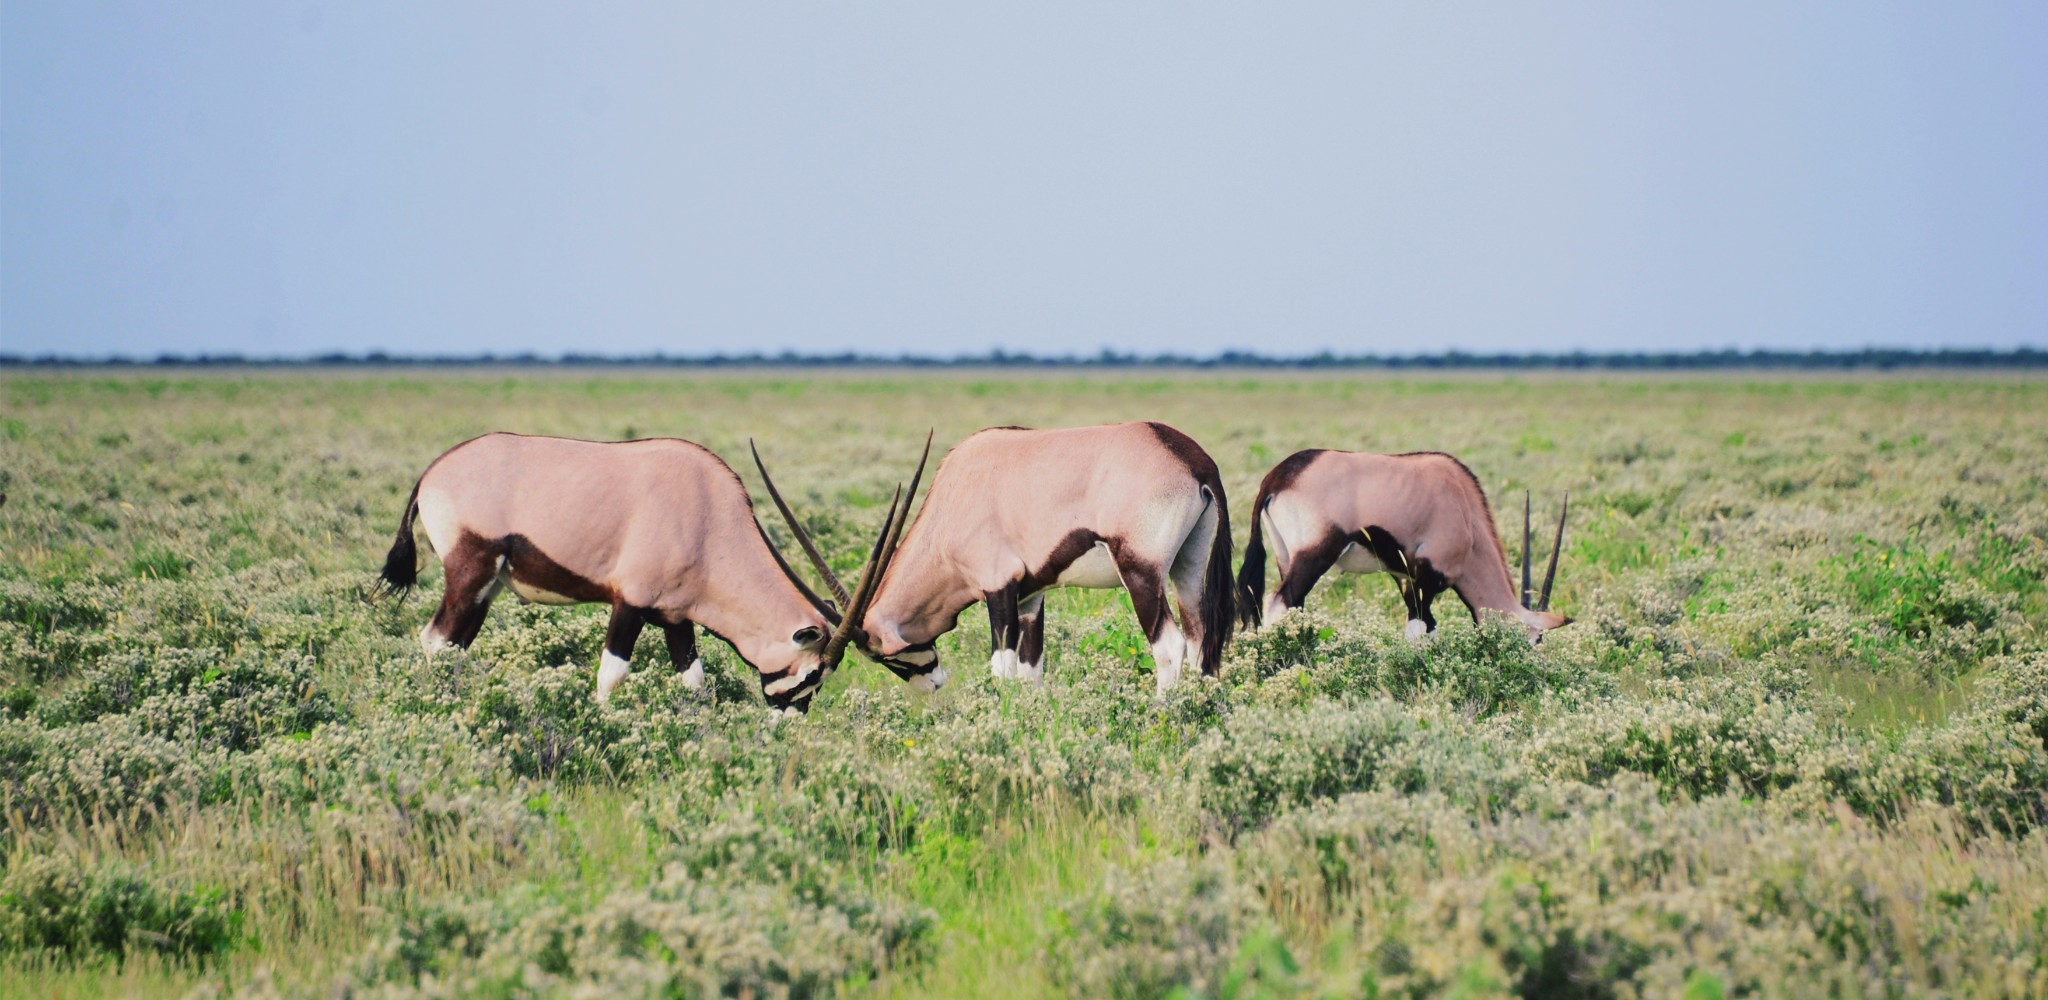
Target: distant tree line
<point>1869,358</point>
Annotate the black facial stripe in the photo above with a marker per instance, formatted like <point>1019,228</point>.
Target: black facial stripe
<point>799,699</point>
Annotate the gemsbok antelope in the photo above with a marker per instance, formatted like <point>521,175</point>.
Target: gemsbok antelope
<point>660,529</point>
<point>1420,517</point>
<point>1014,512</point>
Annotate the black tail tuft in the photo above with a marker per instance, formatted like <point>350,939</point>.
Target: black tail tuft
<point>1217,600</point>
<point>1251,579</point>
<point>402,563</point>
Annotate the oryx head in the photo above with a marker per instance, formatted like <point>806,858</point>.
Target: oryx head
<point>1535,612</point>
<point>918,664</point>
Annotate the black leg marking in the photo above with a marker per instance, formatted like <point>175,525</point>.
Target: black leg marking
<point>1031,647</point>
<point>1423,600</point>
<point>1146,584</point>
<point>1420,582</point>
<point>624,631</point>
<point>682,644</point>
<point>1410,599</point>
<point>470,575</point>
<point>1002,618</point>
<point>1308,565</point>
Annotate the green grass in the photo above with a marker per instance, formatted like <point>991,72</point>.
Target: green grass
<point>1806,694</point>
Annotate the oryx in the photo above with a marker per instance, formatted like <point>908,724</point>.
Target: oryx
<point>1014,512</point>
<point>661,529</point>
<point>1420,516</point>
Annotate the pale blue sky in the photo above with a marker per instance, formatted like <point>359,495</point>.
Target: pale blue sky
<point>277,178</point>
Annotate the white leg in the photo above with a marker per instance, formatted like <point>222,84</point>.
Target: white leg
<point>611,670</point>
<point>1416,631</point>
<point>1004,664</point>
<point>1189,575</point>
<point>1167,655</point>
<point>693,678</point>
<point>432,641</point>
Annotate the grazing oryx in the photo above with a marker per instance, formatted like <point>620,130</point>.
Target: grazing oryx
<point>1420,516</point>
<point>1014,512</point>
<point>661,530</point>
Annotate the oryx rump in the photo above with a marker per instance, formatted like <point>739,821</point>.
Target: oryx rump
<point>1420,516</point>
<point>662,530</point>
<point>1014,512</point>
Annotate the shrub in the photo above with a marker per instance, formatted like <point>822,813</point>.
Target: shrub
<point>1618,890</point>
<point>1173,925</point>
<point>992,750</point>
<point>198,696</point>
<point>52,907</point>
<point>1264,760</point>
<point>2016,690</point>
<point>548,723</point>
<point>1483,668</point>
<point>109,769</point>
<point>1697,737</point>
<point>679,936</point>
<point>1993,772</point>
<point>46,609</point>
<point>817,816</point>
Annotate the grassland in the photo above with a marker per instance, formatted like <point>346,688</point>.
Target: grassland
<point>1796,744</point>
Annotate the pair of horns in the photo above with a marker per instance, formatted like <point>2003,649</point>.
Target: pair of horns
<point>1549,575</point>
<point>856,603</point>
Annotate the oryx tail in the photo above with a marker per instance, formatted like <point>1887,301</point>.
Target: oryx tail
<point>1251,577</point>
<point>402,563</point>
<point>1217,610</point>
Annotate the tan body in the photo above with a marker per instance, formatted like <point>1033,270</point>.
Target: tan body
<point>661,530</point>
<point>1420,516</point>
<point>1014,512</point>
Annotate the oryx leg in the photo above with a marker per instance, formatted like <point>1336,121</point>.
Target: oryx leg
<point>472,573</point>
<point>1419,582</point>
<point>682,651</point>
<point>1002,631</point>
<point>1146,583</point>
<point>1189,575</point>
<point>1420,621</point>
<point>1300,573</point>
<point>1031,643</point>
<point>618,648</point>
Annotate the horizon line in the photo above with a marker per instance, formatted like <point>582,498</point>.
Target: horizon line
<point>1868,357</point>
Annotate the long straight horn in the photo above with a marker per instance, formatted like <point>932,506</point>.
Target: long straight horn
<point>870,576</point>
<point>1556,546</point>
<point>889,554</point>
<point>1528,593</point>
<point>803,537</point>
<point>824,607</point>
<point>878,561</point>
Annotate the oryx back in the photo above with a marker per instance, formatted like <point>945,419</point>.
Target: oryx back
<point>636,522</point>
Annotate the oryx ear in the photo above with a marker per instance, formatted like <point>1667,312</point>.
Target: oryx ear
<point>809,635</point>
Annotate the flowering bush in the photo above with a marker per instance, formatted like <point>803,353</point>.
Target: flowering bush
<point>1262,761</point>
<point>1144,934</point>
<point>53,908</point>
<point>678,936</point>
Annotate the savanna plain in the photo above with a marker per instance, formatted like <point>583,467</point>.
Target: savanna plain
<point>1795,744</point>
